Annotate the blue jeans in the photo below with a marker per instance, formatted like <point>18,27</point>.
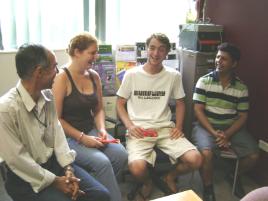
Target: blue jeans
<point>19,190</point>
<point>105,163</point>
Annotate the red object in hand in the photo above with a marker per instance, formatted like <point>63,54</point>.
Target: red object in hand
<point>149,133</point>
<point>109,141</point>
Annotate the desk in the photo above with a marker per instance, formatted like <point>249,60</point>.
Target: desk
<point>188,195</point>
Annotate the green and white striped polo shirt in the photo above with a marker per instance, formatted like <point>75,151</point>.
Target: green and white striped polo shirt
<point>221,104</point>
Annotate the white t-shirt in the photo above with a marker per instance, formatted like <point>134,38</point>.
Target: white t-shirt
<point>148,96</point>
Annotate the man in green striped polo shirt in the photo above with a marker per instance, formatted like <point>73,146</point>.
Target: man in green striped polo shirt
<point>221,107</point>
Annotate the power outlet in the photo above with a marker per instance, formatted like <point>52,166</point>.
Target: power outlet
<point>263,145</point>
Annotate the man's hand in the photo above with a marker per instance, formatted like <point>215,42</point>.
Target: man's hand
<point>70,178</point>
<point>135,131</point>
<point>176,133</point>
<point>76,192</point>
<point>221,140</point>
<point>68,185</point>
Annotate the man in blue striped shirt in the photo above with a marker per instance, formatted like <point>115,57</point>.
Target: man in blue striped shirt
<point>221,107</point>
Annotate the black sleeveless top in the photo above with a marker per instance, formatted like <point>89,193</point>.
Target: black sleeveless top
<point>78,109</point>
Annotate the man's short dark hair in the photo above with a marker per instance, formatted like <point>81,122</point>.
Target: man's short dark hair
<point>231,49</point>
<point>28,57</point>
<point>162,38</point>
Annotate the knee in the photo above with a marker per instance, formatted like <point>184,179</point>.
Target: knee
<point>103,163</point>
<point>207,155</point>
<point>196,161</point>
<point>193,159</point>
<point>138,168</point>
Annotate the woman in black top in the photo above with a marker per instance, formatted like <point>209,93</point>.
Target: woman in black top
<point>78,93</point>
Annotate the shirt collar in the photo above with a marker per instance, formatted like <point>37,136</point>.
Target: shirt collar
<point>215,77</point>
<point>27,99</point>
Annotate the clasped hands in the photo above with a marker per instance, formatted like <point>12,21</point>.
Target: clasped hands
<point>221,139</point>
<point>69,184</point>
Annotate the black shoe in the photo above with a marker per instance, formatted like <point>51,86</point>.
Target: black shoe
<point>208,194</point>
<point>239,190</point>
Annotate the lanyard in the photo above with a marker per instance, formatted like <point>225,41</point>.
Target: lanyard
<point>35,115</point>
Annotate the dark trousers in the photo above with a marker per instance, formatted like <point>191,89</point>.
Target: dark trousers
<point>19,190</point>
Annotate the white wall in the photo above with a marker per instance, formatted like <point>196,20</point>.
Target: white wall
<point>8,75</point>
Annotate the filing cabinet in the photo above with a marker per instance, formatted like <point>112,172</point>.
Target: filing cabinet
<point>193,65</point>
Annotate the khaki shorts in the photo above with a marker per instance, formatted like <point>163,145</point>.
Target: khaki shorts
<point>142,148</point>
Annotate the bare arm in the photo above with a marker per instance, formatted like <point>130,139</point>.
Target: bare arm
<point>202,118</point>
<point>59,92</point>
<point>99,112</point>
<point>238,124</point>
<point>123,115</point>
<point>180,111</point>
<point>223,139</point>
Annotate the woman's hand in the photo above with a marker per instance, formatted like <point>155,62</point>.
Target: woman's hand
<point>91,141</point>
<point>103,134</point>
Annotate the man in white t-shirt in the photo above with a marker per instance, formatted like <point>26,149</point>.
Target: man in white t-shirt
<point>147,91</point>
